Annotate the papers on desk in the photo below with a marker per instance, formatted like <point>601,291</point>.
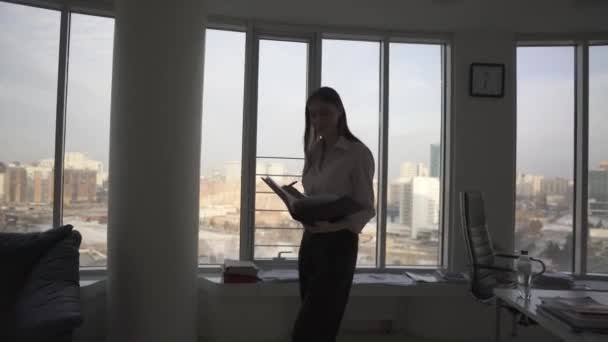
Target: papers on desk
<point>382,278</point>
<point>279,275</point>
<point>424,277</point>
<point>593,285</point>
<point>438,276</point>
<point>580,313</point>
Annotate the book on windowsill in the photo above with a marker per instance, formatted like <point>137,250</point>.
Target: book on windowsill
<point>238,271</point>
<point>310,209</point>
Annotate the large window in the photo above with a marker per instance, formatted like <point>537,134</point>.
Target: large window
<point>220,183</point>
<point>29,41</point>
<point>85,174</point>
<point>597,209</point>
<point>545,154</point>
<point>282,85</point>
<point>353,69</point>
<point>414,155</point>
<point>255,89</point>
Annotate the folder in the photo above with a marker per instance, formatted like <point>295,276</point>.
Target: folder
<point>311,209</point>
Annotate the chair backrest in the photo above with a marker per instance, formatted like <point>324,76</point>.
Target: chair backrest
<point>478,244</point>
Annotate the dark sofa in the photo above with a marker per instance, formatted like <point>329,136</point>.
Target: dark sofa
<point>39,285</point>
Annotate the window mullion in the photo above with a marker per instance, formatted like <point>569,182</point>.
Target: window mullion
<point>581,157</point>
<point>62,86</point>
<point>249,146</point>
<point>383,155</point>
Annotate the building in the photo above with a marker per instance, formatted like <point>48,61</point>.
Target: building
<point>528,185</point>
<point>410,170</point>
<point>80,161</point>
<point>79,186</point>
<point>555,186</point>
<point>419,207</point>
<point>40,184</point>
<point>595,208</point>
<point>598,185</point>
<point>604,165</point>
<point>435,160</point>
<point>2,176</point>
<point>15,184</point>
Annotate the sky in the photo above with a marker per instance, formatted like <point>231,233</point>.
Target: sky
<point>29,41</point>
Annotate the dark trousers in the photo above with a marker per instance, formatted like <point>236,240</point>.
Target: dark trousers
<point>326,266</point>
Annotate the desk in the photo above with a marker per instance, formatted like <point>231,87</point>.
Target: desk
<point>510,298</point>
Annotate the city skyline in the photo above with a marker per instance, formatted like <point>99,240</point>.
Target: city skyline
<point>27,42</point>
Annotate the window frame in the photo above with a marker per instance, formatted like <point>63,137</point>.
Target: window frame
<point>314,36</point>
<point>581,44</point>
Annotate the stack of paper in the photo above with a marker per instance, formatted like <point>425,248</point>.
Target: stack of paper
<point>382,278</point>
<point>279,275</point>
<point>455,277</point>
<point>237,271</point>
<point>424,277</point>
<point>580,313</point>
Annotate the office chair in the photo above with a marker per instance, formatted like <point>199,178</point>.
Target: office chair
<point>485,273</point>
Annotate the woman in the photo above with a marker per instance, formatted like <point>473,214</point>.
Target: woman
<point>338,163</point>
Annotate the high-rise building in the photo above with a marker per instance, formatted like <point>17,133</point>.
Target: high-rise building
<point>435,160</point>
<point>395,190</point>
<point>2,176</point>
<point>15,184</point>
<point>528,185</point>
<point>598,185</point>
<point>79,186</point>
<point>419,207</point>
<point>410,170</point>
<point>80,161</point>
<point>554,186</point>
<point>40,184</point>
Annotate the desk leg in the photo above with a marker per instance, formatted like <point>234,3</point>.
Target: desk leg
<point>497,323</point>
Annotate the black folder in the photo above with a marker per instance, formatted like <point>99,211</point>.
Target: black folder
<point>311,209</point>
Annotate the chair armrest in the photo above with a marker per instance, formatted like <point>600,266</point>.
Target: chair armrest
<point>506,255</point>
<point>495,268</point>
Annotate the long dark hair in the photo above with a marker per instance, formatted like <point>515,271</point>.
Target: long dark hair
<point>330,96</point>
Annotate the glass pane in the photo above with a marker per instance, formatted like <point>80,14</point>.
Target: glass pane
<point>282,85</point>
<point>413,203</point>
<point>598,161</point>
<point>28,96</point>
<point>545,154</point>
<point>352,68</point>
<point>87,138</point>
<point>220,189</point>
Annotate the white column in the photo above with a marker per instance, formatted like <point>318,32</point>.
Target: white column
<point>154,170</point>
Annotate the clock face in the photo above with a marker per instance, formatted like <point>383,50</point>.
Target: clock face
<point>487,80</point>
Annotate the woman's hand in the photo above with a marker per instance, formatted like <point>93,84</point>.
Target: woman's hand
<point>322,227</point>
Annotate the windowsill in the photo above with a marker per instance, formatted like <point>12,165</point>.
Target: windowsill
<point>210,281</point>
<point>214,286</point>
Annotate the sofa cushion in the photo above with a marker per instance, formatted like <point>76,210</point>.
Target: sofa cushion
<point>49,303</point>
<point>19,252</point>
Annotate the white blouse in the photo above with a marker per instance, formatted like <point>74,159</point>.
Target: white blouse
<point>347,169</point>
